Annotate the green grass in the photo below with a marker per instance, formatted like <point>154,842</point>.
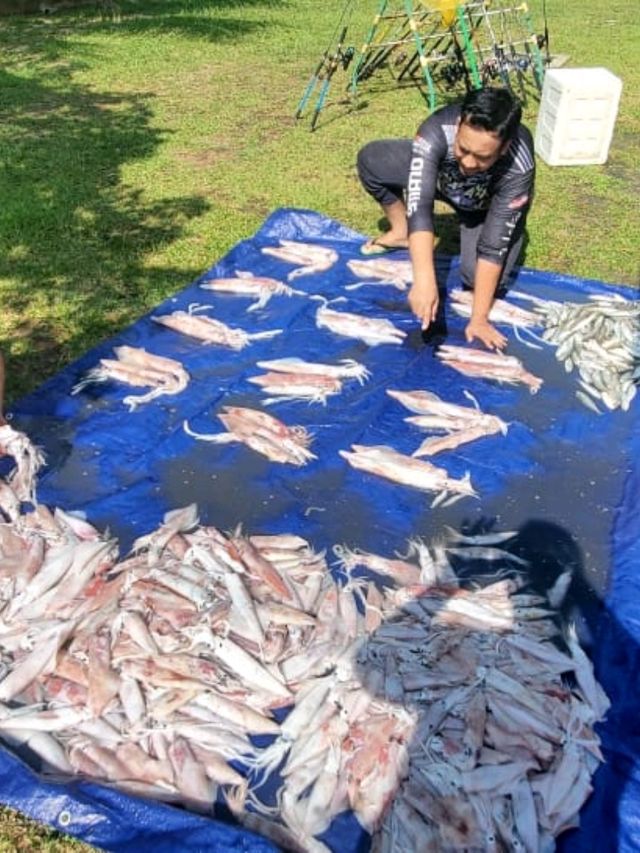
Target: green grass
<point>135,152</point>
<point>20,835</point>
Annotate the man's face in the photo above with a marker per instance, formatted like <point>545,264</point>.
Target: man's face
<point>476,150</point>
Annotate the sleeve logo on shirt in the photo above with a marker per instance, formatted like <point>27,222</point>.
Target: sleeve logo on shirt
<point>518,202</point>
<point>421,145</point>
<point>414,185</point>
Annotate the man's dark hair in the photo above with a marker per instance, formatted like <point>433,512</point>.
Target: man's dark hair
<point>492,109</point>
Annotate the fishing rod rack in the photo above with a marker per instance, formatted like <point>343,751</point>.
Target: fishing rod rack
<point>440,46</point>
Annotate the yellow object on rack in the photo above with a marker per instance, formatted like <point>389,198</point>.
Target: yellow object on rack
<point>447,9</point>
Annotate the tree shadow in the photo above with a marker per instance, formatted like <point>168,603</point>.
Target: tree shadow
<point>209,20</point>
<point>74,234</point>
<point>551,551</point>
<point>44,36</point>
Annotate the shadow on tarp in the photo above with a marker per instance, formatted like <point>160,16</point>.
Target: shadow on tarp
<point>559,465</point>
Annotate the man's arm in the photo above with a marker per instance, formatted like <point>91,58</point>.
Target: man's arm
<point>428,149</point>
<point>479,328</point>
<point>423,296</point>
<point>508,206</point>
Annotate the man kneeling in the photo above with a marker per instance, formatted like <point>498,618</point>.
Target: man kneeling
<point>477,157</point>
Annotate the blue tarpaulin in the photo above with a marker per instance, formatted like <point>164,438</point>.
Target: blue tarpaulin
<point>566,478</point>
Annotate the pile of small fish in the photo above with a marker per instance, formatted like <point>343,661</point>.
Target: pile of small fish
<point>601,340</point>
<point>247,284</point>
<point>313,258</point>
<point>295,379</point>
<point>371,330</point>
<point>461,423</point>
<point>381,271</point>
<point>211,331</point>
<point>261,432</point>
<point>135,366</point>
<point>500,749</point>
<point>488,365</point>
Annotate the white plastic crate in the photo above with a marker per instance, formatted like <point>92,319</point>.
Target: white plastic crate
<point>577,115</point>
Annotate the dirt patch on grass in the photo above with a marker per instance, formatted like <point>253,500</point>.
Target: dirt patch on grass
<point>206,158</point>
<point>623,163</point>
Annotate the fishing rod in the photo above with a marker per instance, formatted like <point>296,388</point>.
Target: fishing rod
<point>326,59</point>
<point>338,57</point>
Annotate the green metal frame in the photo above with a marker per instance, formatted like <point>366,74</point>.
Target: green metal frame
<point>538,62</point>
<point>365,47</point>
<point>411,34</point>
<point>467,46</point>
<point>424,62</point>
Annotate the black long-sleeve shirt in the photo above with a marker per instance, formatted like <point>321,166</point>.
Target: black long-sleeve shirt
<point>504,191</point>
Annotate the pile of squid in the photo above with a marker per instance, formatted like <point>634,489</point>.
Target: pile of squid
<point>371,330</point>
<point>151,673</point>
<point>256,287</point>
<point>384,461</point>
<point>502,312</point>
<point>26,462</point>
<point>381,271</point>
<point>312,257</point>
<point>292,379</point>
<point>209,330</point>
<point>433,707</point>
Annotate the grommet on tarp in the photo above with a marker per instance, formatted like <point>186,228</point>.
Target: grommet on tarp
<point>64,818</point>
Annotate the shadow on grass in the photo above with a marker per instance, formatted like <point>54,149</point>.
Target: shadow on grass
<point>210,20</point>
<point>73,237</point>
<point>202,19</point>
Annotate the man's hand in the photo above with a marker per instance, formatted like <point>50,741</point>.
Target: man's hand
<point>424,303</point>
<point>482,330</point>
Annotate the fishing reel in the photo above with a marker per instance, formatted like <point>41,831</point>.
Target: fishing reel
<point>492,68</point>
<point>453,73</point>
<point>346,57</point>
